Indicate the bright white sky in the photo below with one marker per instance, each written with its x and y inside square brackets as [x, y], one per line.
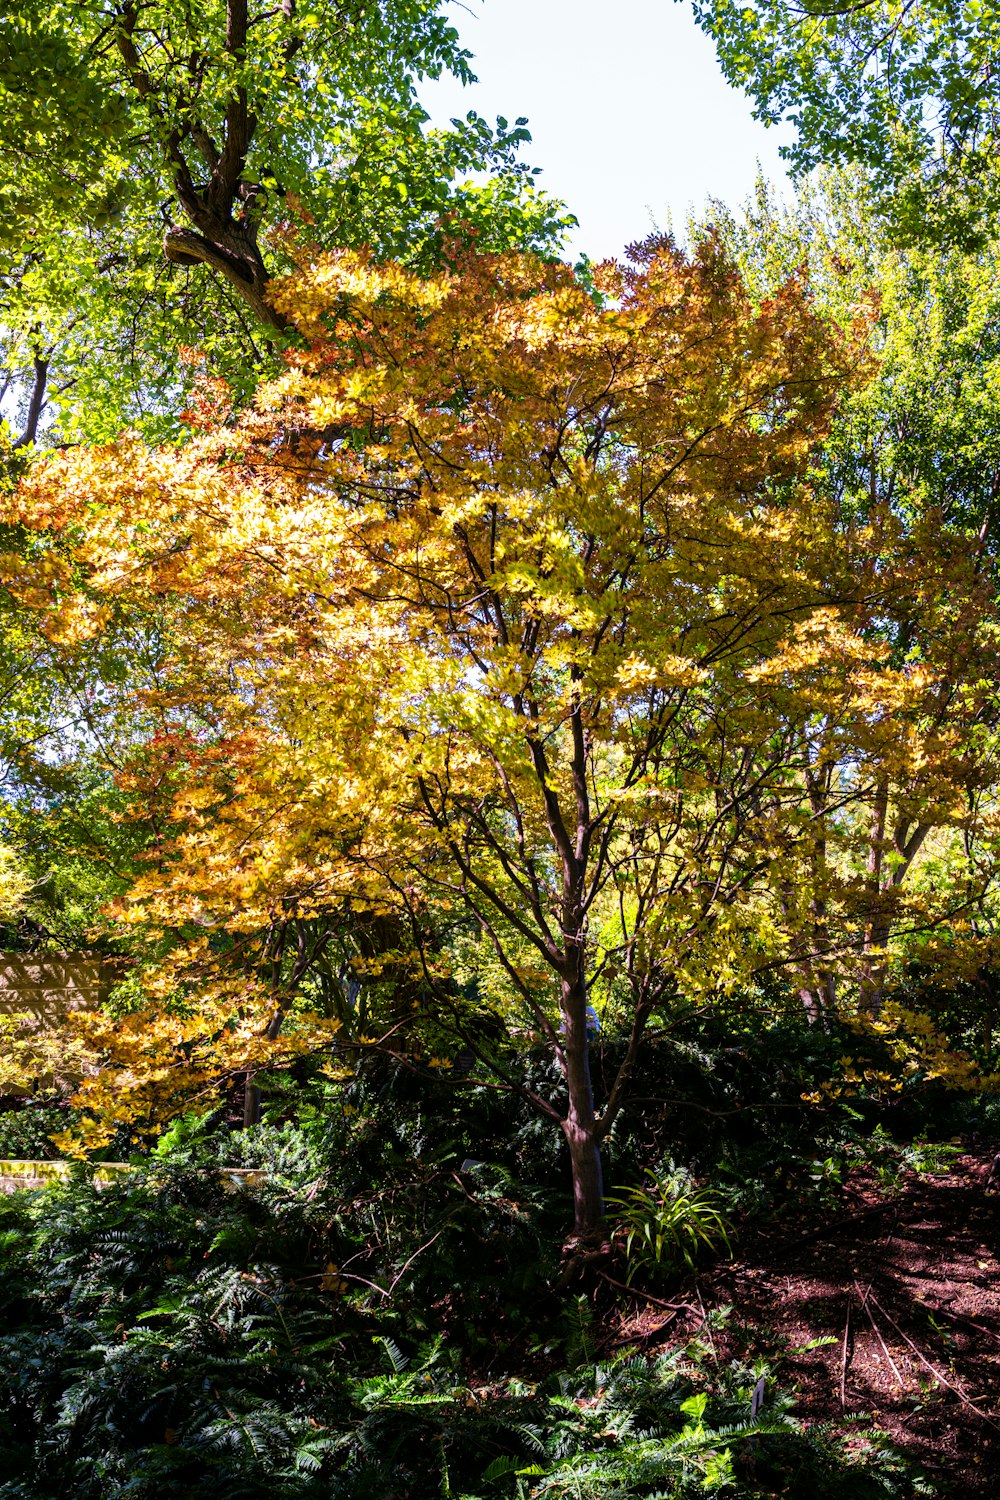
[631, 120]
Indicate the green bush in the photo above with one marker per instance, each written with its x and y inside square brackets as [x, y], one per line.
[25, 1131]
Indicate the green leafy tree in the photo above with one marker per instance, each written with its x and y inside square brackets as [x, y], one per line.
[154, 155]
[73, 727]
[919, 443]
[910, 91]
[925, 431]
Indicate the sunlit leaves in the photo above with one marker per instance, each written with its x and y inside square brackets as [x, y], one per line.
[491, 575]
[908, 91]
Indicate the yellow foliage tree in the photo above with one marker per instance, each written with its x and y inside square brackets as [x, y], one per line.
[510, 604]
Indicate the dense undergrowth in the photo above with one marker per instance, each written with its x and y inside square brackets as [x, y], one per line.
[380, 1317]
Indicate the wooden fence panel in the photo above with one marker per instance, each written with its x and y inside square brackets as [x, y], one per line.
[49, 986]
[45, 988]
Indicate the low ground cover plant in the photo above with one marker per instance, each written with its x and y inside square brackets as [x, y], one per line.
[667, 1221]
[170, 1336]
[380, 1312]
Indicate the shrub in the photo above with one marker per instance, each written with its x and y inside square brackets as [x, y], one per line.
[667, 1222]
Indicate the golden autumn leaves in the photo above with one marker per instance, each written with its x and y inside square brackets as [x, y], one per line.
[524, 626]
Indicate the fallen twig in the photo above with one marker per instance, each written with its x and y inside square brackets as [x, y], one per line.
[878, 1334]
[648, 1297]
[941, 1379]
[843, 1356]
[393, 1284]
[349, 1276]
[944, 1312]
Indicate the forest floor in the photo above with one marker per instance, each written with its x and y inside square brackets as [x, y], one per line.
[907, 1287]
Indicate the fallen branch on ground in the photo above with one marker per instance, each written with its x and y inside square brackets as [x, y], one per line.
[843, 1357]
[941, 1379]
[648, 1297]
[878, 1334]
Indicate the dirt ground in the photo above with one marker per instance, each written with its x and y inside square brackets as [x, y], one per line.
[908, 1286]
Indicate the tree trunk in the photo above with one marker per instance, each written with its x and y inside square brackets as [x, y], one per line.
[876, 928]
[579, 1126]
[251, 1102]
[821, 1004]
[36, 403]
[812, 1005]
[234, 254]
[588, 1178]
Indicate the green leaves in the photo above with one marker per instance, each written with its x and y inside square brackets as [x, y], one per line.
[909, 91]
[667, 1222]
[126, 121]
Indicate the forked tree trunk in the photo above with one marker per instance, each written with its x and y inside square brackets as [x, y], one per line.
[232, 251]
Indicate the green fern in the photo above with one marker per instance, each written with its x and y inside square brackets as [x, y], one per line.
[166, 1340]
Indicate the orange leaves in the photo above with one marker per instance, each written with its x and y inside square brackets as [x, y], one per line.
[505, 607]
[163, 1061]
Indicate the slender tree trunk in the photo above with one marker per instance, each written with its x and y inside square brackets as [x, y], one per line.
[876, 928]
[821, 1002]
[811, 1004]
[251, 1102]
[579, 1126]
[906, 841]
[251, 1093]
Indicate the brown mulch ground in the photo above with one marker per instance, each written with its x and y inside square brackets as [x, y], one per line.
[909, 1286]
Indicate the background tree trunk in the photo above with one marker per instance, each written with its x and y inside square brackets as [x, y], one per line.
[251, 1102]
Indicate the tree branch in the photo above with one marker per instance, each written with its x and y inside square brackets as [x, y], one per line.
[36, 404]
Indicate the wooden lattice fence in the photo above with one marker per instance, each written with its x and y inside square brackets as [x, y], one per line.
[44, 988]
[47, 986]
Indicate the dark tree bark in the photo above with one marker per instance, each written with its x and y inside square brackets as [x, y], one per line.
[36, 402]
[251, 1102]
[580, 1123]
[223, 212]
[230, 250]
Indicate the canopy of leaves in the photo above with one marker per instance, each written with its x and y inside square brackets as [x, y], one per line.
[909, 90]
[501, 603]
[152, 152]
[509, 615]
[920, 440]
[153, 159]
